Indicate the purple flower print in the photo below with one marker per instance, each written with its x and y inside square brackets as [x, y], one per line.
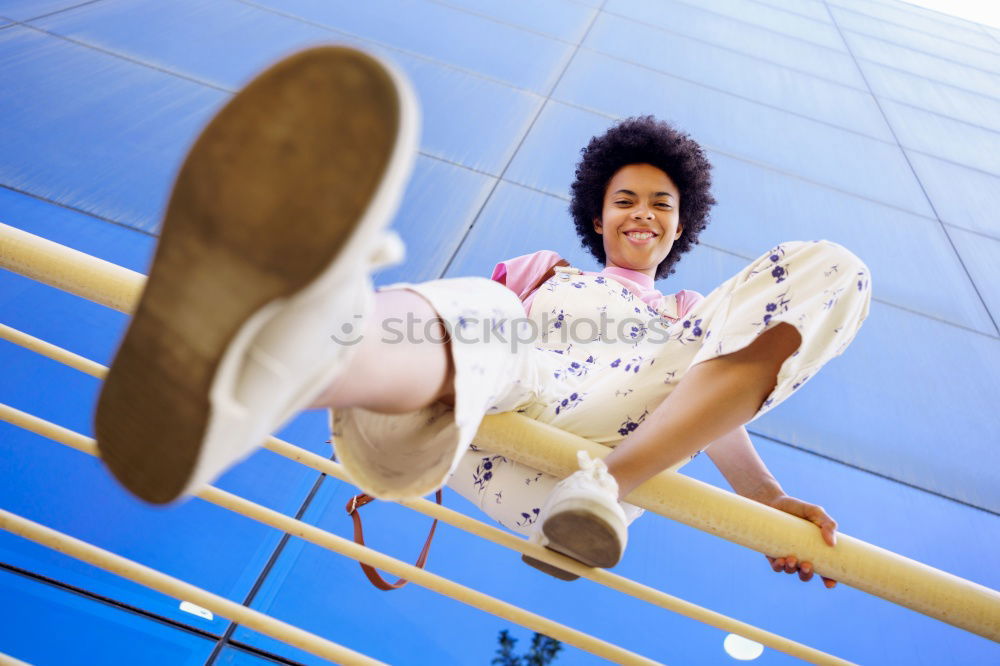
[778, 273]
[690, 330]
[574, 369]
[780, 304]
[529, 518]
[629, 424]
[834, 296]
[615, 363]
[484, 471]
[568, 403]
[599, 279]
[862, 281]
[634, 365]
[578, 285]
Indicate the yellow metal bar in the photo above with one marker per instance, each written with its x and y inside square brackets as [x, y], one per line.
[52, 351]
[480, 529]
[880, 572]
[180, 590]
[346, 547]
[7, 660]
[70, 270]
[885, 574]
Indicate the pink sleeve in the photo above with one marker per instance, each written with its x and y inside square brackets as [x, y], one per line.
[522, 273]
[686, 299]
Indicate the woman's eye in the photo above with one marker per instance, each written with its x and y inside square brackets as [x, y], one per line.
[623, 203]
[664, 205]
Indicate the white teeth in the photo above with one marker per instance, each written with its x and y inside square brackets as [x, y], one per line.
[639, 235]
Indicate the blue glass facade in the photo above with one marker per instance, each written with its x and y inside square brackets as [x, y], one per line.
[872, 123]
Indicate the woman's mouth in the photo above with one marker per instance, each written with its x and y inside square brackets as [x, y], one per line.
[641, 237]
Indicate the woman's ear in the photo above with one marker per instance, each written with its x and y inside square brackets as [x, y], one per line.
[598, 227]
[680, 230]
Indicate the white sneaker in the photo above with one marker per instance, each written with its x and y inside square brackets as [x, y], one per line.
[583, 519]
[276, 220]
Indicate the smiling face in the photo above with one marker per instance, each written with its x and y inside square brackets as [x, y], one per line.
[640, 219]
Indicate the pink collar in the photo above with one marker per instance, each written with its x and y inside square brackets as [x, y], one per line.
[640, 279]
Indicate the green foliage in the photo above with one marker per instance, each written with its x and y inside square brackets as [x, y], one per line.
[543, 651]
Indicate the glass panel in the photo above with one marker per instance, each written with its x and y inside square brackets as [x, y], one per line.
[563, 19]
[703, 64]
[759, 208]
[440, 204]
[45, 624]
[961, 196]
[845, 160]
[904, 400]
[524, 59]
[25, 10]
[943, 137]
[923, 64]
[809, 8]
[780, 20]
[934, 96]
[962, 53]
[924, 20]
[230, 42]
[979, 255]
[696, 23]
[138, 123]
[518, 221]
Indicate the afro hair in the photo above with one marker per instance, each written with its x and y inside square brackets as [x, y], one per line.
[643, 140]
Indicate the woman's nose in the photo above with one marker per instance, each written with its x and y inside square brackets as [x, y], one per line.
[642, 213]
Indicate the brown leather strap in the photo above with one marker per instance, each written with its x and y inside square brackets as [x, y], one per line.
[356, 503]
[548, 274]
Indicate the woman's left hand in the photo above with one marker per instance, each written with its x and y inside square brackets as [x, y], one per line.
[815, 514]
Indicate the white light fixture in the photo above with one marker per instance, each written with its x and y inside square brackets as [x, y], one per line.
[741, 648]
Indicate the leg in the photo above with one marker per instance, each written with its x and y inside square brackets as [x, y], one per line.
[396, 377]
[713, 398]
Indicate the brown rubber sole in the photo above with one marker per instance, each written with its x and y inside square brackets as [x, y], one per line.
[265, 200]
[581, 535]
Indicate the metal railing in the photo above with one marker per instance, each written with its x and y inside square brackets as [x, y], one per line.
[893, 577]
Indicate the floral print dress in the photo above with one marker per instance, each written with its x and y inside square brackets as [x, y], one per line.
[599, 361]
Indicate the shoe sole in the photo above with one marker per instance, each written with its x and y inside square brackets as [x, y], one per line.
[265, 201]
[578, 531]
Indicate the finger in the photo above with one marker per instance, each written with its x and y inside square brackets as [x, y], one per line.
[791, 564]
[777, 563]
[806, 572]
[829, 530]
[827, 525]
[829, 582]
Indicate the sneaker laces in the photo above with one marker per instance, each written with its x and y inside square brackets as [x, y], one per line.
[389, 250]
[595, 469]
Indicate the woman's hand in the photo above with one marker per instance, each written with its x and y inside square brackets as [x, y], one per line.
[815, 514]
